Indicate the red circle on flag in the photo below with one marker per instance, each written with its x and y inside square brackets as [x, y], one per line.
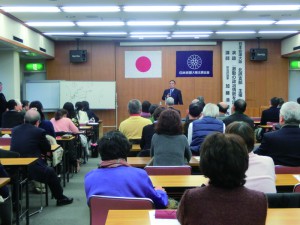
[143, 64]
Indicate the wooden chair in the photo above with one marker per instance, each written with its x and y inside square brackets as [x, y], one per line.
[100, 205]
[168, 170]
[297, 188]
[279, 169]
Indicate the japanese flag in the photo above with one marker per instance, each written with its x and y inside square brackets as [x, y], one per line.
[142, 64]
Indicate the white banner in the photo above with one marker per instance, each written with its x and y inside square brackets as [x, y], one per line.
[143, 64]
[233, 70]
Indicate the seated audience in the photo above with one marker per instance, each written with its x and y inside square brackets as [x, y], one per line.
[115, 177]
[25, 105]
[5, 201]
[145, 109]
[169, 147]
[204, 126]
[30, 141]
[195, 110]
[280, 102]
[283, 145]
[81, 115]
[170, 104]
[271, 114]
[71, 113]
[63, 124]
[260, 175]
[92, 116]
[44, 124]
[133, 126]
[238, 109]
[225, 200]
[12, 117]
[223, 110]
[151, 111]
[201, 100]
[148, 132]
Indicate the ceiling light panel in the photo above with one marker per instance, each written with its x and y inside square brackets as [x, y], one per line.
[152, 8]
[91, 9]
[198, 8]
[192, 32]
[150, 23]
[99, 24]
[271, 7]
[107, 33]
[150, 33]
[235, 32]
[250, 22]
[190, 35]
[199, 23]
[50, 24]
[278, 32]
[30, 9]
[288, 22]
[63, 33]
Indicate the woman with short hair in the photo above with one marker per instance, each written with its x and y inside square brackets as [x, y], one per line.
[225, 200]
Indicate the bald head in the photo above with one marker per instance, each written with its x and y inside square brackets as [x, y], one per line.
[32, 116]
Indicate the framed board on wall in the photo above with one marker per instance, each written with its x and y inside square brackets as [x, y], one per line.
[47, 92]
[100, 95]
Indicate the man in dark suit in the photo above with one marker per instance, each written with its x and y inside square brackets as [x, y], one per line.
[283, 145]
[271, 114]
[30, 141]
[2, 103]
[12, 117]
[238, 109]
[174, 93]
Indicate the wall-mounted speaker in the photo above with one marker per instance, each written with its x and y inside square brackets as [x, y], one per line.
[78, 56]
[258, 54]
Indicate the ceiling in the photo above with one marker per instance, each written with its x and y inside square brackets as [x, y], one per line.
[123, 16]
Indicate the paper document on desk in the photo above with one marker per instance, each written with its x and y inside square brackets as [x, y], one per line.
[154, 221]
[297, 177]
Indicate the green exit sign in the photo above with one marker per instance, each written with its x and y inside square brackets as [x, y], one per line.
[295, 64]
[35, 67]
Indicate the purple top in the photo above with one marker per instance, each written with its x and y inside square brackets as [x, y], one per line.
[123, 181]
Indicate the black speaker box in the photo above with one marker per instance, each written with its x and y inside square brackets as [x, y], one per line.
[258, 54]
[78, 56]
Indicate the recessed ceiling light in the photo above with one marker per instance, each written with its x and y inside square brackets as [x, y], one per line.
[278, 32]
[152, 8]
[80, 9]
[30, 9]
[63, 33]
[200, 8]
[271, 7]
[250, 22]
[50, 24]
[99, 24]
[192, 32]
[150, 33]
[150, 23]
[235, 32]
[283, 22]
[149, 36]
[190, 35]
[199, 23]
[107, 33]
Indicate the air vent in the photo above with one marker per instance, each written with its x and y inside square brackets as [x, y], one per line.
[18, 39]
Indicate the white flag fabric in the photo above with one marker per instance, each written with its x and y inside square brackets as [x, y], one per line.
[143, 64]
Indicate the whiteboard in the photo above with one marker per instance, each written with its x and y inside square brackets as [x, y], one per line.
[47, 92]
[100, 95]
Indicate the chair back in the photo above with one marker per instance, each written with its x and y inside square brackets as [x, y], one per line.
[168, 170]
[5, 140]
[279, 169]
[100, 205]
[283, 200]
[297, 188]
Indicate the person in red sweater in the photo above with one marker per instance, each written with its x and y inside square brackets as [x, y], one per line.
[225, 200]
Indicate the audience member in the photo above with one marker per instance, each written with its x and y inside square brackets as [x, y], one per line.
[92, 116]
[151, 111]
[260, 175]
[81, 115]
[280, 102]
[238, 109]
[2, 103]
[145, 109]
[204, 126]
[25, 105]
[169, 147]
[63, 124]
[115, 177]
[133, 126]
[71, 113]
[283, 145]
[225, 200]
[12, 117]
[30, 141]
[271, 114]
[298, 100]
[195, 109]
[170, 104]
[5, 201]
[148, 132]
[19, 107]
[44, 124]
[223, 110]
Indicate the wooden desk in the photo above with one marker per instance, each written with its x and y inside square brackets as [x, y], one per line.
[20, 163]
[4, 181]
[285, 216]
[135, 148]
[7, 147]
[141, 162]
[5, 132]
[197, 180]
